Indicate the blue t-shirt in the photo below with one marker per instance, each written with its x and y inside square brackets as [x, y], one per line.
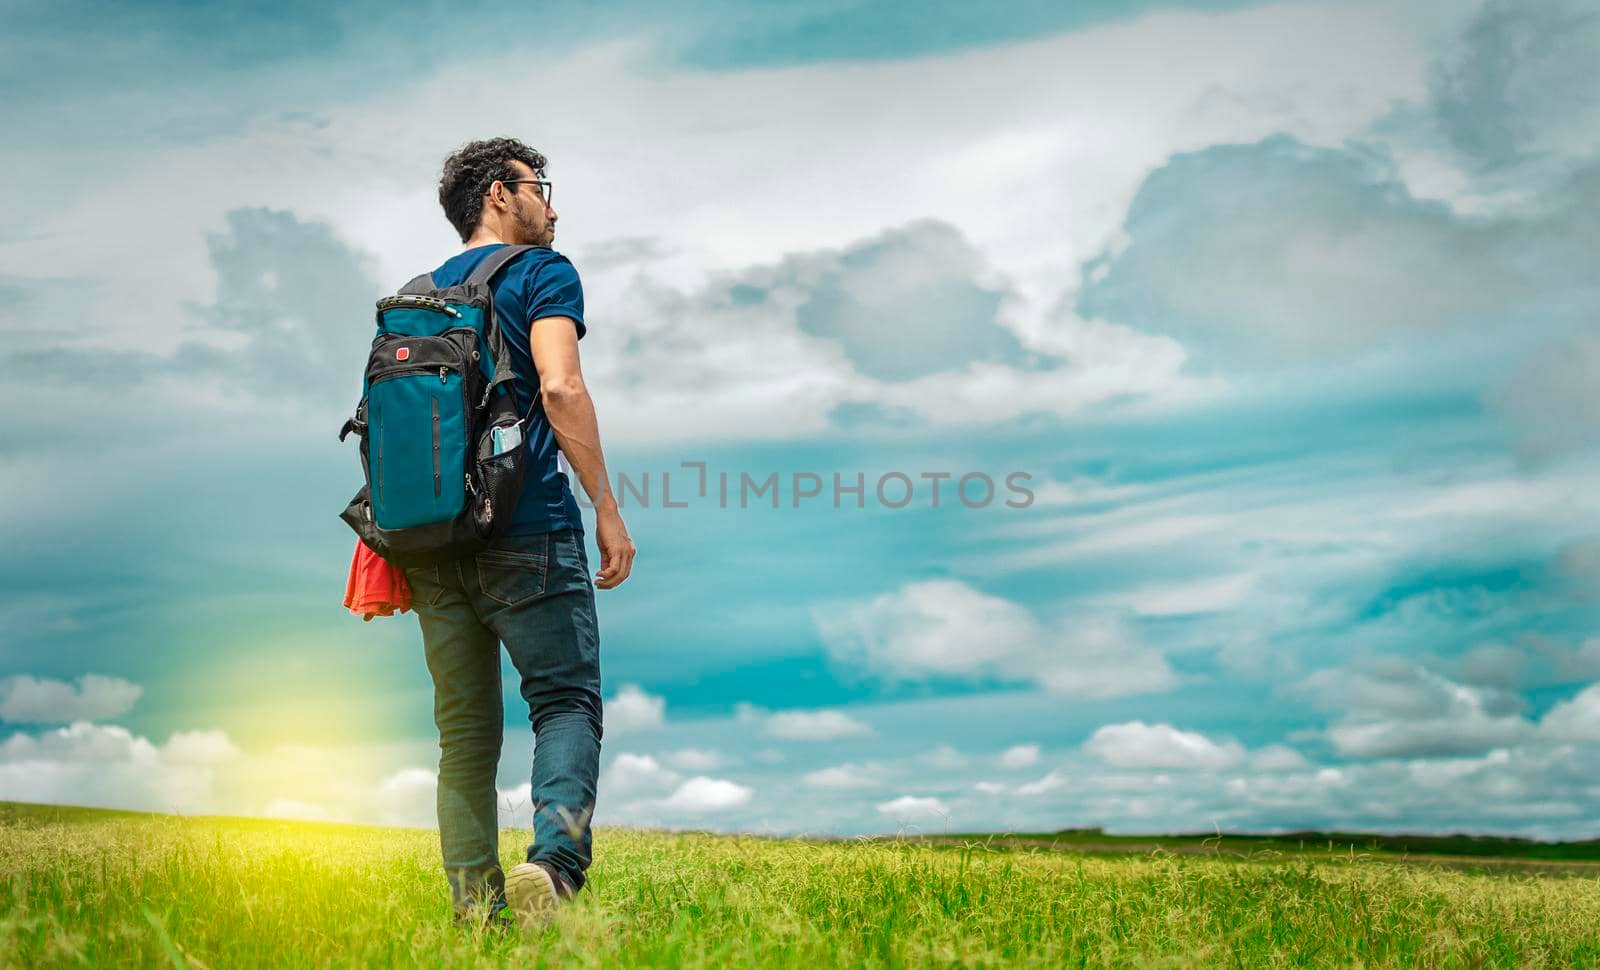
[539, 283]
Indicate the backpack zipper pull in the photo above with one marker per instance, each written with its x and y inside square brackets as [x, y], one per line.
[442, 372]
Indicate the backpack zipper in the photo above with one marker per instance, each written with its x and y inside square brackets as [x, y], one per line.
[436, 479]
[443, 371]
[460, 354]
[410, 301]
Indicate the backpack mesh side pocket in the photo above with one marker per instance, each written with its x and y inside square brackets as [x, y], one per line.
[500, 476]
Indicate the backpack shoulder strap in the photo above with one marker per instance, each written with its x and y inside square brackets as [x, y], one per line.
[420, 284]
[484, 271]
[493, 263]
[503, 372]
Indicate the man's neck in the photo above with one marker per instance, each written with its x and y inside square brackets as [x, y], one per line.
[484, 236]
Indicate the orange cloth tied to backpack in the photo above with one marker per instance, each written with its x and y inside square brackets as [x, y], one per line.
[375, 588]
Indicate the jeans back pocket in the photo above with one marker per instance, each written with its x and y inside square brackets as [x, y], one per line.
[514, 572]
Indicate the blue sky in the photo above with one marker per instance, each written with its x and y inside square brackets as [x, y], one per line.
[1286, 312]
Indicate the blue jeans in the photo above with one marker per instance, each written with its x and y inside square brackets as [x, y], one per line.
[534, 594]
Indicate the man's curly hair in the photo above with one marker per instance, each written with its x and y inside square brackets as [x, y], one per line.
[470, 171]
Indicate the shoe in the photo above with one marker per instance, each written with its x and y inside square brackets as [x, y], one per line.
[490, 916]
[481, 897]
[533, 891]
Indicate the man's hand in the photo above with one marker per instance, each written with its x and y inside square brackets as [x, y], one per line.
[616, 548]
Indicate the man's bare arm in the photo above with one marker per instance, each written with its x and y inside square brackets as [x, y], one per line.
[567, 405]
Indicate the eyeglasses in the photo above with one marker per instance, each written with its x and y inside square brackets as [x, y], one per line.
[545, 188]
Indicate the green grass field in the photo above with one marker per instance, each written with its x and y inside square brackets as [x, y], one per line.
[99, 888]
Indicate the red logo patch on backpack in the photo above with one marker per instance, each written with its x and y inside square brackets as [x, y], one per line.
[402, 353]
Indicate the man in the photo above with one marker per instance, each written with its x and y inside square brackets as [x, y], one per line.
[531, 589]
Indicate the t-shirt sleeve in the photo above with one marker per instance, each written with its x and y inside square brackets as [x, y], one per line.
[553, 290]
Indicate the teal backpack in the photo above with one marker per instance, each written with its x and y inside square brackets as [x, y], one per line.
[443, 448]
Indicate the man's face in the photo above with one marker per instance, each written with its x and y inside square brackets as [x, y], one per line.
[532, 221]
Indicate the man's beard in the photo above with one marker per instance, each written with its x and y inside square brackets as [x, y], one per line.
[528, 231]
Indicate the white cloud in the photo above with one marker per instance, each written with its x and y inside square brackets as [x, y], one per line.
[1579, 563]
[107, 765]
[1393, 707]
[1519, 88]
[634, 710]
[945, 757]
[818, 725]
[1277, 758]
[1020, 756]
[696, 759]
[1270, 524]
[1197, 596]
[408, 797]
[843, 776]
[629, 774]
[203, 772]
[370, 783]
[1315, 790]
[1128, 775]
[1140, 745]
[702, 794]
[1143, 89]
[200, 748]
[1541, 788]
[1083, 491]
[1102, 657]
[944, 627]
[404, 797]
[951, 137]
[1144, 533]
[1050, 782]
[1577, 719]
[27, 699]
[1551, 400]
[1381, 687]
[1470, 731]
[1281, 276]
[914, 806]
[515, 806]
[938, 627]
[1534, 790]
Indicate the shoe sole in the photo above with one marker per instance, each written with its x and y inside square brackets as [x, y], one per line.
[531, 894]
